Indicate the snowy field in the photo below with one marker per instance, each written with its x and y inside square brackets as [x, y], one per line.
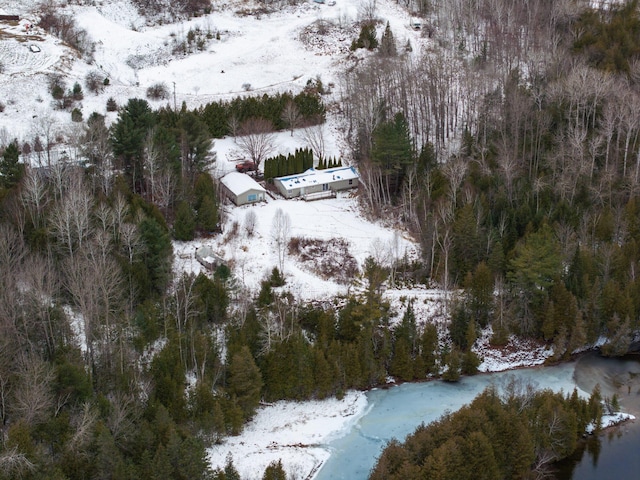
[246, 54]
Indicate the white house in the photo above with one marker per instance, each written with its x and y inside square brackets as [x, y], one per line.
[242, 189]
[314, 181]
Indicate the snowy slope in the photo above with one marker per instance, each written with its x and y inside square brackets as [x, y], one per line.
[256, 53]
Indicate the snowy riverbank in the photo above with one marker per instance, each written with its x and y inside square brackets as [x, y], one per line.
[295, 432]
[299, 433]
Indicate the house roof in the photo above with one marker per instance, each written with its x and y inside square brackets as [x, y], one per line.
[315, 177]
[239, 183]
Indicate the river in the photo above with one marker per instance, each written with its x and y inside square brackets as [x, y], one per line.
[397, 411]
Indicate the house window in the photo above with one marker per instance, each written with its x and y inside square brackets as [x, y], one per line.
[325, 187]
[252, 197]
[350, 181]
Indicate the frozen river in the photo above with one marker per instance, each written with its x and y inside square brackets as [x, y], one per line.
[397, 411]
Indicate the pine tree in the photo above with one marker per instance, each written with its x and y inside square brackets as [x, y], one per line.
[128, 137]
[322, 375]
[112, 106]
[184, 225]
[245, 381]
[208, 215]
[480, 294]
[454, 363]
[429, 348]
[157, 257]
[367, 38]
[578, 336]
[392, 152]
[230, 471]
[274, 471]
[401, 363]
[10, 170]
[387, 43]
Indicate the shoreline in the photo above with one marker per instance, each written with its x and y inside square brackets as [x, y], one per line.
[298, 433]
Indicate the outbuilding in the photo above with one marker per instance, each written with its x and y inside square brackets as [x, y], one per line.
[313, 182]
[241, 189]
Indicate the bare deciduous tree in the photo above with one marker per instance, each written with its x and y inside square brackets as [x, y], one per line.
[70, 217]
[34, 195]
[291, 115]
[15, 464]
[250, 222]
[256, 140]
[46, 129]
[83, 428]
[368, 10]
[40, 284]
[166, 189]
[98, 301]
[152, 164]
[97, 148]
[314, 138]
[233, 123]
[280, 231]
[33, 398]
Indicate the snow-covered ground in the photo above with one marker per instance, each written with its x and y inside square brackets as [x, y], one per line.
[611, 420]
[246, 53]
[293, 432]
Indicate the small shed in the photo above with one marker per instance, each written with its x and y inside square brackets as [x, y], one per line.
[241, 189]
[208, 258]
[313, 181]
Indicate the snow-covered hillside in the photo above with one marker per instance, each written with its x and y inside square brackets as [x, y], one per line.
[241, 53]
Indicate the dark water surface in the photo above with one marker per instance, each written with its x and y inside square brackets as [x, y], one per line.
[614, 454]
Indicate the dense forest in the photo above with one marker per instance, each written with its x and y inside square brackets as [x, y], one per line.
[516, 433]
[510, 149]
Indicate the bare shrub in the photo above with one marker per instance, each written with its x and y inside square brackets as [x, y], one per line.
[158, 91]
[94, 81]
[232, 232]
[64, 27]
[250, 222]
[329, 259]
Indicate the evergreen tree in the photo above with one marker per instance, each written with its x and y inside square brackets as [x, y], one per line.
[453, 364]
[184, 225]
[230, 472]
[401, 362]
[323, 378]
[156, 259]
[10, 170]
[207, 217]
[429, 349]
[128, 136]
[195, 145]
[112, 106]
[387, 43]
[274, 471]
[367, 38]
[245, 381]
[392, 152]
[535, 264]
